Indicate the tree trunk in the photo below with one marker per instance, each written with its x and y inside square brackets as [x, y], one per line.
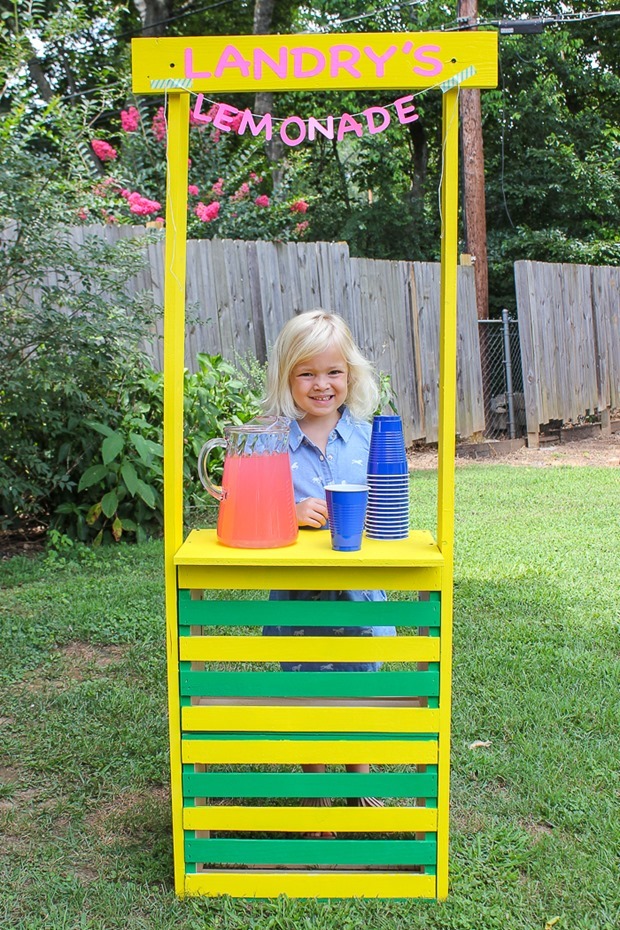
[153, 15]
[417, 134]
[263, 100]
[38, 76]
[474, 207]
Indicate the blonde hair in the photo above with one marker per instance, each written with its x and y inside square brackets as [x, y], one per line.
[305, 336]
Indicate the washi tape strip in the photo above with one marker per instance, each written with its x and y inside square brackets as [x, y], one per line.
[458, 78]
[172, 83]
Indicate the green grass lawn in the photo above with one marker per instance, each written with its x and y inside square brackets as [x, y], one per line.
[84, 815]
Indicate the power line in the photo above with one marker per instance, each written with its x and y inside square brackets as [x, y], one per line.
[530, 25]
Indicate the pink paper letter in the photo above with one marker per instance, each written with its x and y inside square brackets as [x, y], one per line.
[224, 116]
[369, 113]
[348, 124]
[315, 125]
[336, 64]
[198, 110]
[380, 60]
[298, 61]
[296, 121]
[405, 110]
[263, 125]
[231, 58]
[436, 66]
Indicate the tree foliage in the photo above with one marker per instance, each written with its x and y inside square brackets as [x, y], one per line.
[550, 129]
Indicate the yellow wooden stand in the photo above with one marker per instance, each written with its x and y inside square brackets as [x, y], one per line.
[224, 723]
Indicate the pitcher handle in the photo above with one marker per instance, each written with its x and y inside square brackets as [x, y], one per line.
[214, 489]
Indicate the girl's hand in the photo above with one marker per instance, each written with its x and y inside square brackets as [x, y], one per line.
[311, 512]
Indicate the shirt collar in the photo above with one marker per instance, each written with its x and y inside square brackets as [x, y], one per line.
[344, 427]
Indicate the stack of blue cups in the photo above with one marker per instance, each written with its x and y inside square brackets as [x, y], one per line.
[387, 516]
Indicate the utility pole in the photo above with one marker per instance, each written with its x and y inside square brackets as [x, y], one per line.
[474, 208]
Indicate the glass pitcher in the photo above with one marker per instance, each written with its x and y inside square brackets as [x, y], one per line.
[257, 502]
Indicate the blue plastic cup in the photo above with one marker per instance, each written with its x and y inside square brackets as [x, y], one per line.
[387, 455]
[346, 506]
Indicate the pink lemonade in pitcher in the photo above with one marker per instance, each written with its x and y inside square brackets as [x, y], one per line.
[258, 506]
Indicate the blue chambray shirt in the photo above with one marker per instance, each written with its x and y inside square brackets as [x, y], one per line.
[345, 460]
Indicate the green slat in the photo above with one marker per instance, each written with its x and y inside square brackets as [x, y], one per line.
[312, 852]
[307, 785]
[305, 613]
[310, 684]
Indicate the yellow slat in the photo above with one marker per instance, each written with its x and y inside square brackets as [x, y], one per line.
[413, 564]
[308, 819]
[319, 578]
[250, 883]
[311, 719]
[290, 752]
[309, 649]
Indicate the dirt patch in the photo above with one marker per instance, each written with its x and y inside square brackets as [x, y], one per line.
[73, 663]
[601, 451]
[81, 656]
[130, 814]
[538, 829]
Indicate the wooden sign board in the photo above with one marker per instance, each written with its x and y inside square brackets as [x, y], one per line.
[352, 61]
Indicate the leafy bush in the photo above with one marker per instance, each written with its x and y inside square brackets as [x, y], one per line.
[121, 490]
[68, 342]
[80, 405]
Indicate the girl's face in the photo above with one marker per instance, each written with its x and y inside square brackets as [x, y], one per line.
[319, 384]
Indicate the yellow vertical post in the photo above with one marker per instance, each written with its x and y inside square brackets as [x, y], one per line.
[174, 360]
[447, 439]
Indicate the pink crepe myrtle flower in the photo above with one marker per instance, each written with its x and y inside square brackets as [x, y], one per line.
[140, 205]
[301, 228]
[193, 121]
[262, 201]
[192, 190]
[103, 150]
[218, 188]
[241, 193]
[82, 213]
[300, 206]
[254, 177]
[207, 212]
[159, 125]
[130, 119]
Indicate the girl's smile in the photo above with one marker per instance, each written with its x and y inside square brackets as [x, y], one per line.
[319, 385]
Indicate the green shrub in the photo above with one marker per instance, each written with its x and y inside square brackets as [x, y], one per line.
[68, 344]
[121, 489]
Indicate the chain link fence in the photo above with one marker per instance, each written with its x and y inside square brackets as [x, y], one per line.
[502, 378]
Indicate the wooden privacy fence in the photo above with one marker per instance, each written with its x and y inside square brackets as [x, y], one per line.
[570, 341]
[239, 295]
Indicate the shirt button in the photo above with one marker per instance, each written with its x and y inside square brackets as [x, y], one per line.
[322, 458]
[330, 457]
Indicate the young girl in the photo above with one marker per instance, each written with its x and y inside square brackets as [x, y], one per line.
[318, 377]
